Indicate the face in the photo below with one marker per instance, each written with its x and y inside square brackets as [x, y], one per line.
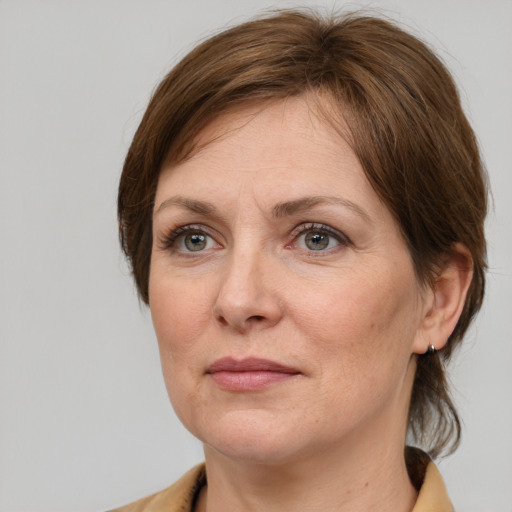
[283, 296]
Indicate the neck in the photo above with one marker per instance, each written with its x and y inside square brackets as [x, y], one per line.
[329, 481]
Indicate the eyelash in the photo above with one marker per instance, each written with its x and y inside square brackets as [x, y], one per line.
[169, 241]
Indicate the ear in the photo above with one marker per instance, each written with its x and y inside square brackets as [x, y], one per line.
[445, 300]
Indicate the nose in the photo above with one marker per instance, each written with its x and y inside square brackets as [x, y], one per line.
[248, 295]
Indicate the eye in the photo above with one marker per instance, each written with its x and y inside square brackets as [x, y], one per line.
[313, 237]
[317, 241]
[189, 239]
[194, 242]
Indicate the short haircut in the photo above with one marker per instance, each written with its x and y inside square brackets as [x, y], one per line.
[405, 124]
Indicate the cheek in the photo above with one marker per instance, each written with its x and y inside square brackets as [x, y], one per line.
[363, 335]
[365, 323]
[180, 312]
[356, 303]
[177, 306]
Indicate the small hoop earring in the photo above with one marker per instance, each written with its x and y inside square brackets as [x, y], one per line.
[431, 350]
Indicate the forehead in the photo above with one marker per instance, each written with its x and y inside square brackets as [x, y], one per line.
[299, 126]
[320, 107]
[279, 151]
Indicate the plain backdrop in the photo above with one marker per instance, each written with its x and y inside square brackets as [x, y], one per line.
[85, 423]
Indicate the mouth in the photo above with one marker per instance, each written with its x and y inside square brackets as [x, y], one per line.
[251, 374]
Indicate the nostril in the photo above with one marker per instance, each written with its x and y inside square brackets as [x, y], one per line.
[258, 318]
[222, 320]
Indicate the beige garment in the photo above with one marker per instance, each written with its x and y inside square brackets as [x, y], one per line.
[180, 497]
[433, 496]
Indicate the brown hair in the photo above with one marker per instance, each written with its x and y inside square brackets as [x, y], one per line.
[406, 125]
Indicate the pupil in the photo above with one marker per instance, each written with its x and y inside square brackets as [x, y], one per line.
[195, 242]
[317, 241]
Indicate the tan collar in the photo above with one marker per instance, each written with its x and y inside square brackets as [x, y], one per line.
[179, 497]
[433, 496]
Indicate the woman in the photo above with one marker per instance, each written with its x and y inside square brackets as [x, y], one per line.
[303, 206]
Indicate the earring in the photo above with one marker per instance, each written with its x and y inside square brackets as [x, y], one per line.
[431, 350]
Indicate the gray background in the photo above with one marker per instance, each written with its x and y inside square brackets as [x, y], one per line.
[85, 422]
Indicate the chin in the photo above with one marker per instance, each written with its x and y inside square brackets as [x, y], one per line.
[253, 438]
[257, 453]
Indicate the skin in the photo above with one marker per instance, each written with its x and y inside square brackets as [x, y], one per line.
[348, 318]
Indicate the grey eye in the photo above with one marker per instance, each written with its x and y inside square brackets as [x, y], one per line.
[194, 242]
[316, 240]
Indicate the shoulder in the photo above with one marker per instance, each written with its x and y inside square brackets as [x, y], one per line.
[179, 497]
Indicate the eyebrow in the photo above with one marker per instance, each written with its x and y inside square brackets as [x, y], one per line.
[280, 210]
[201, 207]
[303, 204]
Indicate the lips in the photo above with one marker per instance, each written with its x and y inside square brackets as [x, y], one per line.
[251, 374]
